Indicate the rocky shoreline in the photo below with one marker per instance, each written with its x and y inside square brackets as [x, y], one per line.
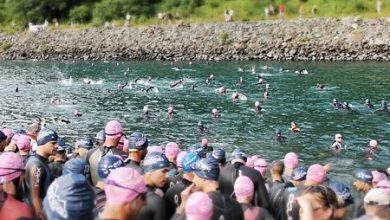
[346, 39]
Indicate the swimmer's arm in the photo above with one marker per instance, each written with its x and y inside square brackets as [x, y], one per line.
[37, 174]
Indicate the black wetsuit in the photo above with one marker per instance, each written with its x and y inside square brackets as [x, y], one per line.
[100, 200]
[172, 170]
[231, 172]
[155, 208]
[37, 174]
[56, 168]
[93, 158]
[24, 158]
[289, 207]
[358, 207]
[258, 213]
[276, 197]
[173, 198]
[225, 207]
[135, 165]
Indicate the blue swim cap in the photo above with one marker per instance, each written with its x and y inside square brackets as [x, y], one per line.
[138, 141]
[20, 131]
[342, 191]
[46, 135]
[238, 155]
[207, 168]
[101, 136]
[219, 154]
[363, 175]
[61, 145]
[108, 163]
[77, 166]
[2, 136]
[188, 162]
[86, 143]
[155, 161]
[70, 197]
[299, 173]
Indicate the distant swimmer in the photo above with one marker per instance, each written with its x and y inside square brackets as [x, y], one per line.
[241, 80]
[176, 83]
[122, 86]
[368, 104]
[17, 89]
[201, 127]
[266, 94]
[253, 70]
[209, 79]
[76, 113]
[149, 79]
[193, 87]
[384, 107]
[337, 144]
[302, 72]
[151, 89]
[125, 74]
[294, 127]
[320, 86]
[257, 106]
[221, 90]
[260, 79]
[268, 86]
[215, 113]
[135, 81]
[29, 83]
[279, 136]
[346, 106]
[238, 96]
[171, 111]
[146, 110]
[87, 81]
[175, 68]
[240, 70]
[283, 70]
[372, 150]
[336, 104]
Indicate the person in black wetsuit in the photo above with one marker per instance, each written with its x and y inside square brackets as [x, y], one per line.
[83, 146]
[57, 165]
[363, 183]
[219, 154]
[344, 198]
[113, 133]
[155, 168]
[38, 176]
[206, 180]
[100, 138]
[138, 144]
[336, 104]
[368, 104]
[244, 191]
[172, 196]
[237, 167]
[105, 166]
[125, 191]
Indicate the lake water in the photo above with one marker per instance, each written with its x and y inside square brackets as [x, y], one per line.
[293, 98]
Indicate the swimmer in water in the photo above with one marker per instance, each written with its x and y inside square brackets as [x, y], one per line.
[122, 86]
[372, 150]
[337, 144]
[17, 88]
[257, 106]
[368, 104]
[235, 95]
[279, 136]
[346, 106]
[241, 80]
[193, 87]
[294, 127]
[215, 113]
[176, 83]
[171, 111]
[151, 88]
[76, 113]
[146, 114]
[336, 103]
[266, 94]
[201, 127]
[268, 86]
[283, 70]
[221, 90]
[384, 107]
[302, 71]
[320, 86]
[209, 79]
[125, 75]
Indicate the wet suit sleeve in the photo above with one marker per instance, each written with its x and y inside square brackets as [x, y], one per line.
[155, 208]
[37, 176]
[261, 197]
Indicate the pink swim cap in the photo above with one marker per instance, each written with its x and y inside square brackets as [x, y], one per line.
[199, 206]
[243, 187]
[11, 166]
[155, 148]
[23, 142]
[250, 162]
[180, 157]
[257, 103]
[377, 176]
[384, 184]
[204, 142]
[123, 185]
[316, 173]
[291, 160]
[8, 132]
[261, 166]
[113, 129]
[172, 150]
[373, 143]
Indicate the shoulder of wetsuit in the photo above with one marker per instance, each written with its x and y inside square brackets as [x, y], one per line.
[225, 207]
[89, 154]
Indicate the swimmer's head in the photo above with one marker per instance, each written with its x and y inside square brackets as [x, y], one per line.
[204, 142]
[338, 137]
[373, 144]
[384, 103]
[368, 101]
[211, 76]
[146, 109]
[278, 132]
[257, 104]
[171, 109]
[335, 101]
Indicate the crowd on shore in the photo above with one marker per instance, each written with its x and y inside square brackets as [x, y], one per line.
[115, 176]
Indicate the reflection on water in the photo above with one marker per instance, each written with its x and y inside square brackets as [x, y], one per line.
[93, 90]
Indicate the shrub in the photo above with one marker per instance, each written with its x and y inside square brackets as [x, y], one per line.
[81, 14]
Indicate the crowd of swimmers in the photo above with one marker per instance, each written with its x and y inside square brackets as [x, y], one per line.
[114, 176]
